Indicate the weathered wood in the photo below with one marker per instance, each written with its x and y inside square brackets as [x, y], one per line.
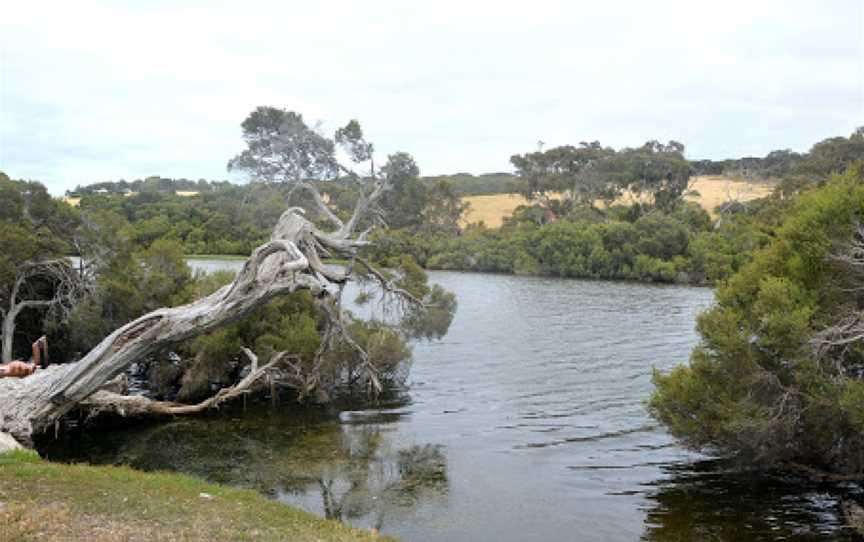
[8, 444]
[128, 405]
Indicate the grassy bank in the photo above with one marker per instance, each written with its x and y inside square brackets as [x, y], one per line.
[45, 501]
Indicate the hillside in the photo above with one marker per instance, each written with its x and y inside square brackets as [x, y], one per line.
[713, 190]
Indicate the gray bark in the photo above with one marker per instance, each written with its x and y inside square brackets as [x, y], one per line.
[8, 444]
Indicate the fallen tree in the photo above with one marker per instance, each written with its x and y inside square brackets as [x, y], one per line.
[290, 261]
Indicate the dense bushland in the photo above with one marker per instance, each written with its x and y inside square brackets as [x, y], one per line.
[683, 246]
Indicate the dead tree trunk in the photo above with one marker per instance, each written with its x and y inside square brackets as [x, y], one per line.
[69, 286]
[288, 262]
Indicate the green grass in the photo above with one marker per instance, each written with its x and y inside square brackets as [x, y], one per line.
[40, 500]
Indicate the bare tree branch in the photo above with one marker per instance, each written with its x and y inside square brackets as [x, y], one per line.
[322, 206]
[128, 405]
[67, 287]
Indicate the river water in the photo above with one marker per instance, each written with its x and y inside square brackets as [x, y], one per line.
[526, 422]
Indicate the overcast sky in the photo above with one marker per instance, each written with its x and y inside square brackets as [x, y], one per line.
[95, 91]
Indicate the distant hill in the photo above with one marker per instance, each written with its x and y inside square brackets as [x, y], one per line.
[181, 187]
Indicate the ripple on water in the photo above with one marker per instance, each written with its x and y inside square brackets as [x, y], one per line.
[527, 422]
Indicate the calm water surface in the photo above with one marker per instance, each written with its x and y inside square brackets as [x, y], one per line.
[526, 422]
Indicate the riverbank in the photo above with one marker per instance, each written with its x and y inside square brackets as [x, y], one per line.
[45, 501]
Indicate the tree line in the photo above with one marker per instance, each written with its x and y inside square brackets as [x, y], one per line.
[572, 227]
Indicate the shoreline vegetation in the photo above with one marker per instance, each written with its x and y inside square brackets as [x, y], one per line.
[777, 376]
[683, 247]
[643, 214]
[46, 501]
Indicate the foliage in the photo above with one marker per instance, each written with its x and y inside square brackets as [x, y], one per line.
[757, 386]
[829, 156]
[223, 218]
[444, 209]
[591, 173]
[566, 168]
[229, 220]
[466, 184]
[282, 148]
[680, 246]
[133, 282]
[34, 228]
[153, 184]
[407, 197]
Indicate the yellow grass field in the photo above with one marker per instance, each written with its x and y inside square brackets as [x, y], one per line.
[712, 192]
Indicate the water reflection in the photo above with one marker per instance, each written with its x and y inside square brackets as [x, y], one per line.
[526, 422]
[379, 485]
[711, 500]
[305, 457]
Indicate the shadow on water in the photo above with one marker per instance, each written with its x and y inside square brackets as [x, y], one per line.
[714, 500]
[336, 464]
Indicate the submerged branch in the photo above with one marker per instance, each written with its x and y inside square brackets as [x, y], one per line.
[127, 405]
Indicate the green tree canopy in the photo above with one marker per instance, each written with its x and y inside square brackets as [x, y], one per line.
[591, 172]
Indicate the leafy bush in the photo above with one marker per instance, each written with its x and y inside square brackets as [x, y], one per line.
[758, 386]
[680, 246]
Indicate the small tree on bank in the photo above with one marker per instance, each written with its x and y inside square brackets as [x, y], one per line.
[779, 375]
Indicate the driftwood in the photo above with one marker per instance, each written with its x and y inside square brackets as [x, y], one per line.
[289, 262]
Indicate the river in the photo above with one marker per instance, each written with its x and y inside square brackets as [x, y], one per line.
[526, 422]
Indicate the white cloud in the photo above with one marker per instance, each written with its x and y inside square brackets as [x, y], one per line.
[94, 91]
